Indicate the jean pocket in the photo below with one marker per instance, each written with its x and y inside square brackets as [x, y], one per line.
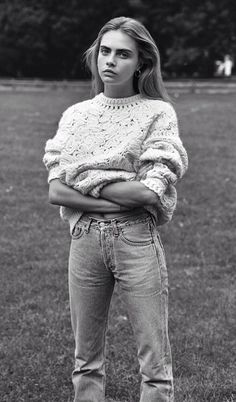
[77, 232]
[138, 234]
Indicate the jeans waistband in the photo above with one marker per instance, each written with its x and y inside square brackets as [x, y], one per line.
[116, 224]
[118, 215]
[138, 213]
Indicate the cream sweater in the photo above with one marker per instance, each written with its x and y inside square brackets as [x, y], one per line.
[104, 140]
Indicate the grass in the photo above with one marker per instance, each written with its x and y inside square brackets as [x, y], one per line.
[36, 344]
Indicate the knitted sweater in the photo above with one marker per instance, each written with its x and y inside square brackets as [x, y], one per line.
[104, 140]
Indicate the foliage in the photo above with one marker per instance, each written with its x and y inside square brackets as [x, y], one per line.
[48, 38]
[191, 35]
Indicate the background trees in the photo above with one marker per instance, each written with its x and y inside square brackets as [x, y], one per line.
[47, 38]
[192, 34]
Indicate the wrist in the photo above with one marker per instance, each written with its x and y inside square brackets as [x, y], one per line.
[105, 191]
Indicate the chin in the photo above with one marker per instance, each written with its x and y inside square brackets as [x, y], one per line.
[109, 80]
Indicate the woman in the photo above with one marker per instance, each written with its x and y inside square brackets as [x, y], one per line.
[113, 164]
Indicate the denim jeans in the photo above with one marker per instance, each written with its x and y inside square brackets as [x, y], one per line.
[127, 251]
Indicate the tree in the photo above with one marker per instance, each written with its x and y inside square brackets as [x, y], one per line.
[191, 35]
[47, 38]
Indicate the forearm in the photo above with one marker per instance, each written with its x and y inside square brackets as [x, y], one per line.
[63, 195]
[130, 194]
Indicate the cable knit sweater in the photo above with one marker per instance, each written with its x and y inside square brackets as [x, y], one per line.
[104, 140]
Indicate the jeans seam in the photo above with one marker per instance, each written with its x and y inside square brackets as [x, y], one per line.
[163, 296]
[162, 264]
[104, 354]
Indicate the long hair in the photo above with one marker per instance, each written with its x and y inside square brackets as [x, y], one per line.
[149, 83]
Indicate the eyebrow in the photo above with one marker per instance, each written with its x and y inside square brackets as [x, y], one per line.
[119, 50]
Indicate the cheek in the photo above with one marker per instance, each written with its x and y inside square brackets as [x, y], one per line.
[130, 68]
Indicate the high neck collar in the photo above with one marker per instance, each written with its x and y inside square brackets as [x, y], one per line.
[105, 100]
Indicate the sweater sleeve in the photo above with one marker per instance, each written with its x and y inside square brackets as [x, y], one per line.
[163, 159]
[55, 145]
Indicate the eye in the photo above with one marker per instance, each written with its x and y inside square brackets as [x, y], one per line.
[104, 50]
[124, 54]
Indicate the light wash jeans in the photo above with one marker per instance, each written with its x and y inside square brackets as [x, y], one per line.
[127, 251]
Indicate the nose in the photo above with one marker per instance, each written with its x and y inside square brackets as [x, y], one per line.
[111, 61]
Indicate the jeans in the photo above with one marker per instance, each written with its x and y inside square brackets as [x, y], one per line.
[128, 251]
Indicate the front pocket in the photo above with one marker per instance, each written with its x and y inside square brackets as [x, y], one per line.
[138, 234]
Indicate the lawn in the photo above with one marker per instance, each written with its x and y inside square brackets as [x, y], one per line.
[36, 344]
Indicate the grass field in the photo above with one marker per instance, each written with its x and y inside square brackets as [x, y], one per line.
[36, 339]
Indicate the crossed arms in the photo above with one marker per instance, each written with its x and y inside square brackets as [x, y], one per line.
[114, 197]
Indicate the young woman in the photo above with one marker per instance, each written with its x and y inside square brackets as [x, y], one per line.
[113, 164]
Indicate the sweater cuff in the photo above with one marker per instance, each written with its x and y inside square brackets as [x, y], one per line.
[95, 192]
[54, 173]
[157, 185]
[166, 194]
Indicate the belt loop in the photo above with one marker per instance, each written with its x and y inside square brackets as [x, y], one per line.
[87, 226]
[114, 227]
[153, 220]
[152, 224]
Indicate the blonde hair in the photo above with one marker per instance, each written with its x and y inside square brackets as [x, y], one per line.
[149, 83]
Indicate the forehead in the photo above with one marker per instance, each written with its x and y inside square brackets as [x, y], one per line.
[118, 40]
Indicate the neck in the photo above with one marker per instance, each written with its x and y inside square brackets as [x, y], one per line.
[117, 91]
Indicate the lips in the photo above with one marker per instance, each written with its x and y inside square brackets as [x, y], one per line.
[109, 71]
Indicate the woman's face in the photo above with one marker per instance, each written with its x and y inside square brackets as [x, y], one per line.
[117, 59]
